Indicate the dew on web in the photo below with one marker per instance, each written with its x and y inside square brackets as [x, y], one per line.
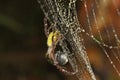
[103, 29]
[99, 24]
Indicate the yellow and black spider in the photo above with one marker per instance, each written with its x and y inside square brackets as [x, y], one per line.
[56, 58]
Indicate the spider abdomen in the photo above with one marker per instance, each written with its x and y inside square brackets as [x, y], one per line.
[61, 58]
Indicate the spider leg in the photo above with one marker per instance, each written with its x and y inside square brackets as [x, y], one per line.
[52, 54]
[46, 27]
[60, 67]
[66, 71]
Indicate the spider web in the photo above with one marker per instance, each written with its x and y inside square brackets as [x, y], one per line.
[102, 28]
[63, 14]
[99, 24]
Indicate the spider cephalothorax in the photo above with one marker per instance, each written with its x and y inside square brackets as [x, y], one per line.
[57, 58]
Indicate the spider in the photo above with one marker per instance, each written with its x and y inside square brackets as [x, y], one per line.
[57, 58]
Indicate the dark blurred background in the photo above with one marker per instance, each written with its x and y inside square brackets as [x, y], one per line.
[23, 45]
